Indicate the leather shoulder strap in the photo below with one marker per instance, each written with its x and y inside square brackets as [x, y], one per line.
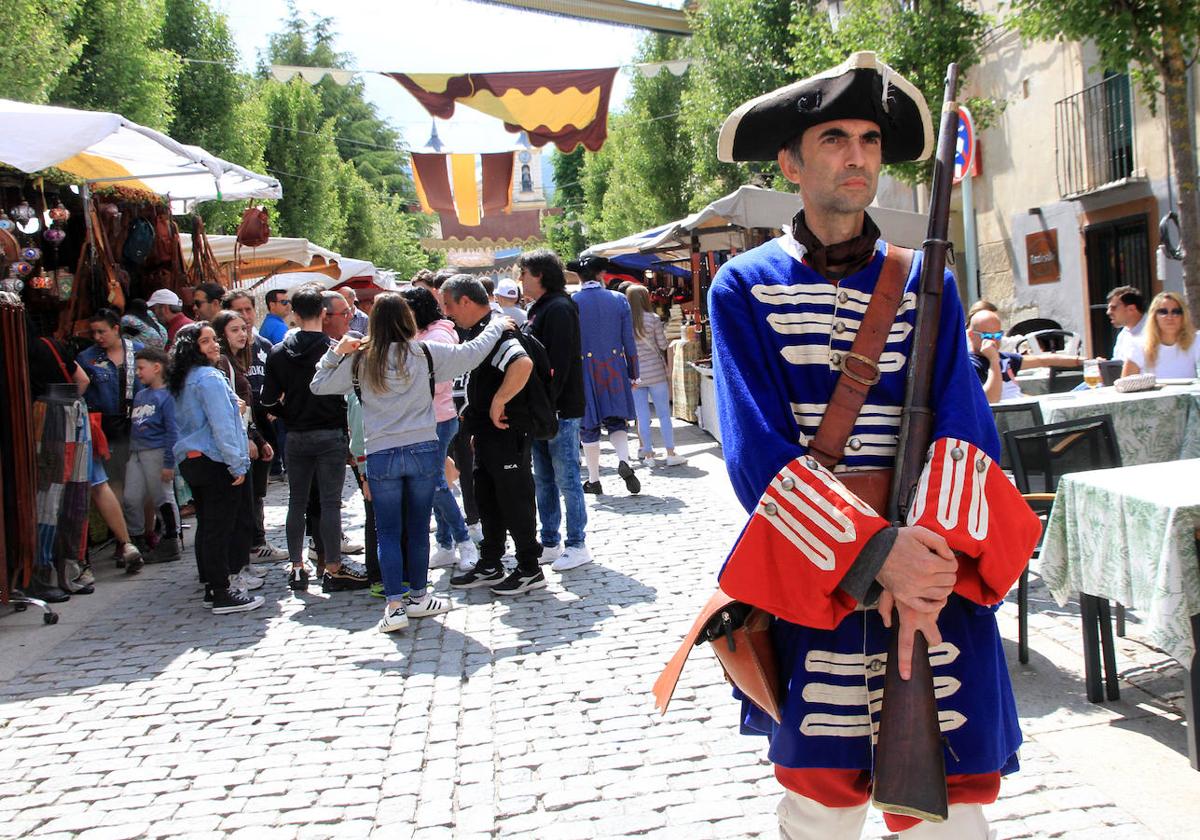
[860, 367]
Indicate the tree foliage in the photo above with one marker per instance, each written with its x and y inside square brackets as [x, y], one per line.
[38, 46]
[564, 230]
[739, 50]
[918, 40]
[1156, 41]
[123, 65]
[650, 155]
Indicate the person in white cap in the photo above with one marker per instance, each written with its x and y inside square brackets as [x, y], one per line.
[168, 309]
[807, 413]
[507, 295]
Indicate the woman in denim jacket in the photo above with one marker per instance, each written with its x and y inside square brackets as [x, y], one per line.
[213, 457]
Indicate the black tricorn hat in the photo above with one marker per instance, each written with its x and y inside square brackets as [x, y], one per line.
[860, 88]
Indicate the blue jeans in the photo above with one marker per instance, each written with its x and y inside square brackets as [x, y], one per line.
[555, 471]
[662, 407]
[402, 480]
[451, 527]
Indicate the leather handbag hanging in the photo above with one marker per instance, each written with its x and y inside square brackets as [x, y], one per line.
[739, 633]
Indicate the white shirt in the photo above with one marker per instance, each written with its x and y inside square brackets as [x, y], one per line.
[1126, 337]
[1173, 361]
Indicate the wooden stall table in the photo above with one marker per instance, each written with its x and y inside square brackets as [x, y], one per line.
[1151, 426]
[1129, 535]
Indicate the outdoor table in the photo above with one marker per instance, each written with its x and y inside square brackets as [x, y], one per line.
[1151, 426]
[1129, 535]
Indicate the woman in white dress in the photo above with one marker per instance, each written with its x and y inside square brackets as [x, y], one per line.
[1169, 349]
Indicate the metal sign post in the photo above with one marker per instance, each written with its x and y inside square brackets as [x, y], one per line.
[964, 163]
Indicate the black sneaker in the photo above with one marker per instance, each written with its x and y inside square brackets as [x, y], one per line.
[208, 596]
[519, 581]
[592, 487]
[631, 481]
[228, 601]
[345, 579]
[474, 578]
[298, 579]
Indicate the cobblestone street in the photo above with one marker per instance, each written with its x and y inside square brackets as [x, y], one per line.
[142, 715]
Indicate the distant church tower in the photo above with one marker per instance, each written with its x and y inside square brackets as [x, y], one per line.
[527, 177]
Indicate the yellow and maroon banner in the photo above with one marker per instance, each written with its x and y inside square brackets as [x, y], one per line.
[564, 107]
[446, 183]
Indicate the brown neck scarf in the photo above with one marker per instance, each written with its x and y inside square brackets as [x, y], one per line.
[833, 262]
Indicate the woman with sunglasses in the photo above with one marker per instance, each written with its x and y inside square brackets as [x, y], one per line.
[1170, 349]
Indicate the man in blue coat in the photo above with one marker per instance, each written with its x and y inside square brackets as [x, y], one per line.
[609, 366]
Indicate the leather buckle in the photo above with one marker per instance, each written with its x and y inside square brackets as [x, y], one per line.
[868, 379]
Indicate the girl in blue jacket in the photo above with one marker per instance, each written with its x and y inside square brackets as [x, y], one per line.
[213, 458]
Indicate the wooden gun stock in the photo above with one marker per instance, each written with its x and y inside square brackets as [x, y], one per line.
[910, 768]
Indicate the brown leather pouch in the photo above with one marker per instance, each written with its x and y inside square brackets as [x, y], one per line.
[739, 635]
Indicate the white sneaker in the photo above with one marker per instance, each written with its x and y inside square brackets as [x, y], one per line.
[351, 547]
[393, 620]
[428, 604]
[675, 460]
[550, 553]
[244, 582]
[475, 532]
[645, 460]
[255, 571]
[268, 552]
[444, 556]
[573, 557]
[468, 555]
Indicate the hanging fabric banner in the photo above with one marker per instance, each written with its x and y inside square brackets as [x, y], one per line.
[446, 183]
[497, 182]
[565, 107]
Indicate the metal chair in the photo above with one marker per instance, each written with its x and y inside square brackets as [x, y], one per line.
[1013, 417]
[1040, 456]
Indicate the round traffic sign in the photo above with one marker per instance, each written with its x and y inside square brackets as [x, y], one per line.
[964, 152]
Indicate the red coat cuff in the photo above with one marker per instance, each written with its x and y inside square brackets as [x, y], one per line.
[805, 532]
[965, 496]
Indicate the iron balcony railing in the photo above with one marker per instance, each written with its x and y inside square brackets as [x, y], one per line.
[1093, 133]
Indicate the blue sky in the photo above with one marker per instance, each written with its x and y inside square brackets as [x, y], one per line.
[445, 36]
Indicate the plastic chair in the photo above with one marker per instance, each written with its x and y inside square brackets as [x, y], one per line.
[1040, 456]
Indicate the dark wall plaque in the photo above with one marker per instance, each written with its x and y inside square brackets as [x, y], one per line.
[1041, 254]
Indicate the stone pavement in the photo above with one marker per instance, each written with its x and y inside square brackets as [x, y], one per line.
[142, 715]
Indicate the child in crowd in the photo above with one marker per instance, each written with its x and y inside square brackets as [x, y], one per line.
[150, 476]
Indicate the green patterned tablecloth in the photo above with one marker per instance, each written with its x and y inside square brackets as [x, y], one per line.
[1128, 534]
[1151, 426]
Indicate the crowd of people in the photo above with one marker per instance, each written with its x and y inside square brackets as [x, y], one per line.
[456, 409]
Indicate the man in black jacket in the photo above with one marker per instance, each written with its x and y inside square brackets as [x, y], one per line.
[316, 441]
[554, 321]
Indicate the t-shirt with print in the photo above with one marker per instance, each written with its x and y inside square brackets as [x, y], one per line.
[154, 426]
[485, 380]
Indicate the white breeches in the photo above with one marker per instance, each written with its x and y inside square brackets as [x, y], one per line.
[801, 818]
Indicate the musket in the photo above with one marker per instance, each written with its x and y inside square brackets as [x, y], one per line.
[909, 766]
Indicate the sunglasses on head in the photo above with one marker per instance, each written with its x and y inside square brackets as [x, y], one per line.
[1165, 311]
[994, 336]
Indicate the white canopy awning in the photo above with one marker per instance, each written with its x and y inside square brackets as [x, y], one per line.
[280, 250]
[104, 148]
[720, 225]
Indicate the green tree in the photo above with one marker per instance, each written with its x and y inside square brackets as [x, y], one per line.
[216, 107]
[363, 138]
[740, 50]
[918, 40]
[651, 159]
[1157, 40]
[595, 181]
[123, 66]
[37, 46]
[564, 230]
[301, 153]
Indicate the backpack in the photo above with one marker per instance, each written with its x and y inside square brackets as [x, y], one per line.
[139, 243]
[255, 229]
[541, 421]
